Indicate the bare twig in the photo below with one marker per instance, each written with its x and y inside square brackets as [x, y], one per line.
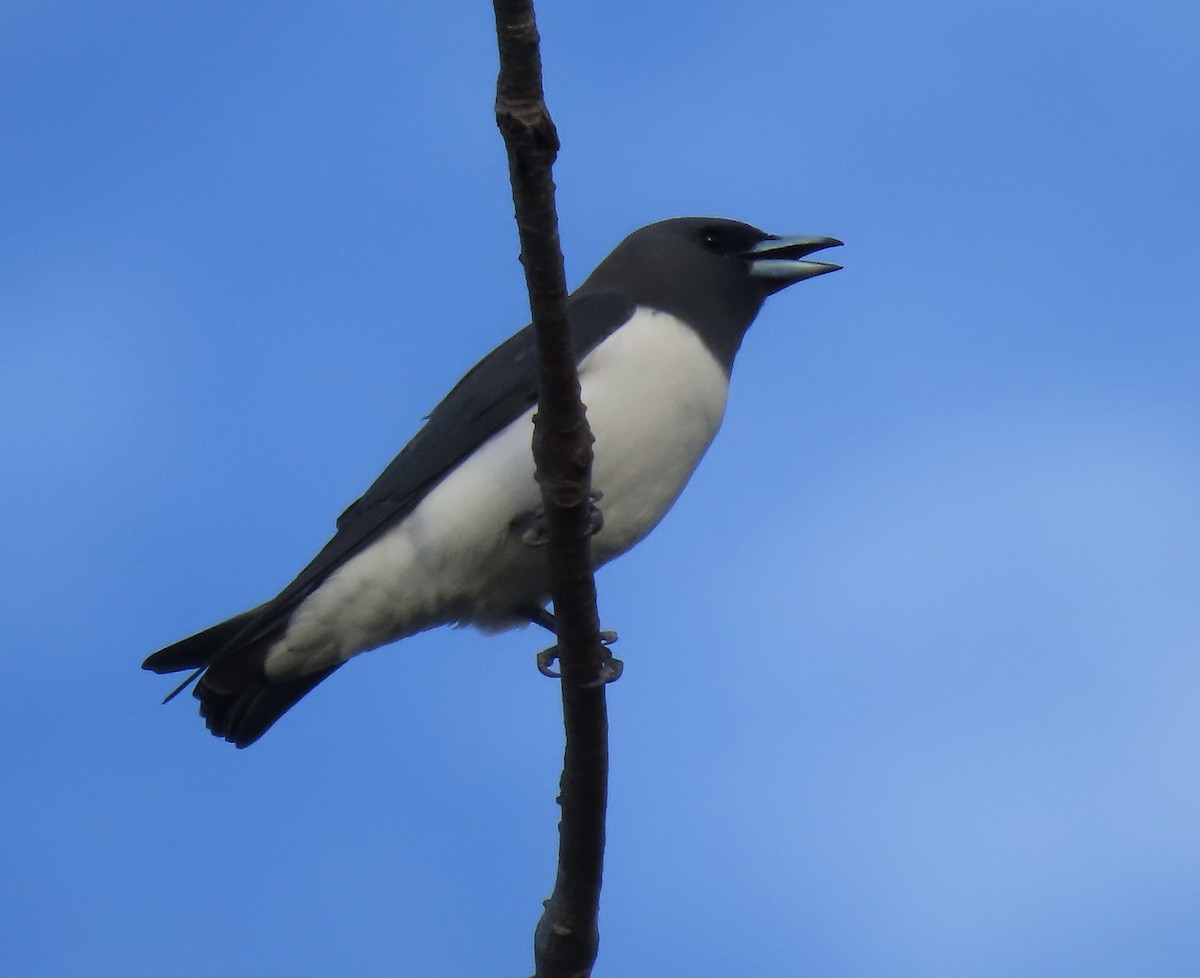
[567, 938]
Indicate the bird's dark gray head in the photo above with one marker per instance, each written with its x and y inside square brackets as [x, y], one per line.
[711, 272]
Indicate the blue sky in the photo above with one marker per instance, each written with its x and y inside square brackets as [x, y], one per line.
[912, 669]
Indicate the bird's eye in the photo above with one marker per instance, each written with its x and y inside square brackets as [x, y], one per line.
[712, 239]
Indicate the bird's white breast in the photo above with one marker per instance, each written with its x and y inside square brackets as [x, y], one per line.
[655, 398]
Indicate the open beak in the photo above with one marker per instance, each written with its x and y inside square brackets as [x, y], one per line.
[780, 260]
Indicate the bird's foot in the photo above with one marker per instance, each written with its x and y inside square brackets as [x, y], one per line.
[610, 666]
[532, 523]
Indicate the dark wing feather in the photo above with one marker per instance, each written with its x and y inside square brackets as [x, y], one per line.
[493, 393]
[237, 699]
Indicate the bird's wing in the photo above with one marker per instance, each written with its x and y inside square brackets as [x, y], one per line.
[493, 393]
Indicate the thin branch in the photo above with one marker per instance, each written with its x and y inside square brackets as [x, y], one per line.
[567, 938]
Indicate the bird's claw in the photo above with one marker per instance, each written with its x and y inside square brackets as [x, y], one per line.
[595, 516]
[610, 671]
[610, 666]
[545, 659]
[536, 535]
[534, 522]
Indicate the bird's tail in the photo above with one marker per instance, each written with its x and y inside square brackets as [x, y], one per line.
[237, 700]
[200, 649]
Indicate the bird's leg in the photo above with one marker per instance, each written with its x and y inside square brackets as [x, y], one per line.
[540, 616]
[610, 669]
[531, 524]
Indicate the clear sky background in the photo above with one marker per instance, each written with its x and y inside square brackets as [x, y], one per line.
[912, 677]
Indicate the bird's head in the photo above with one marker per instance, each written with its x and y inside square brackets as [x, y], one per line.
[712, 272]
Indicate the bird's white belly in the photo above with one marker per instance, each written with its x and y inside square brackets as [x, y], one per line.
[655, 398]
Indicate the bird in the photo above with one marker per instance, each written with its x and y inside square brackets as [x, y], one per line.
[450, 533]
